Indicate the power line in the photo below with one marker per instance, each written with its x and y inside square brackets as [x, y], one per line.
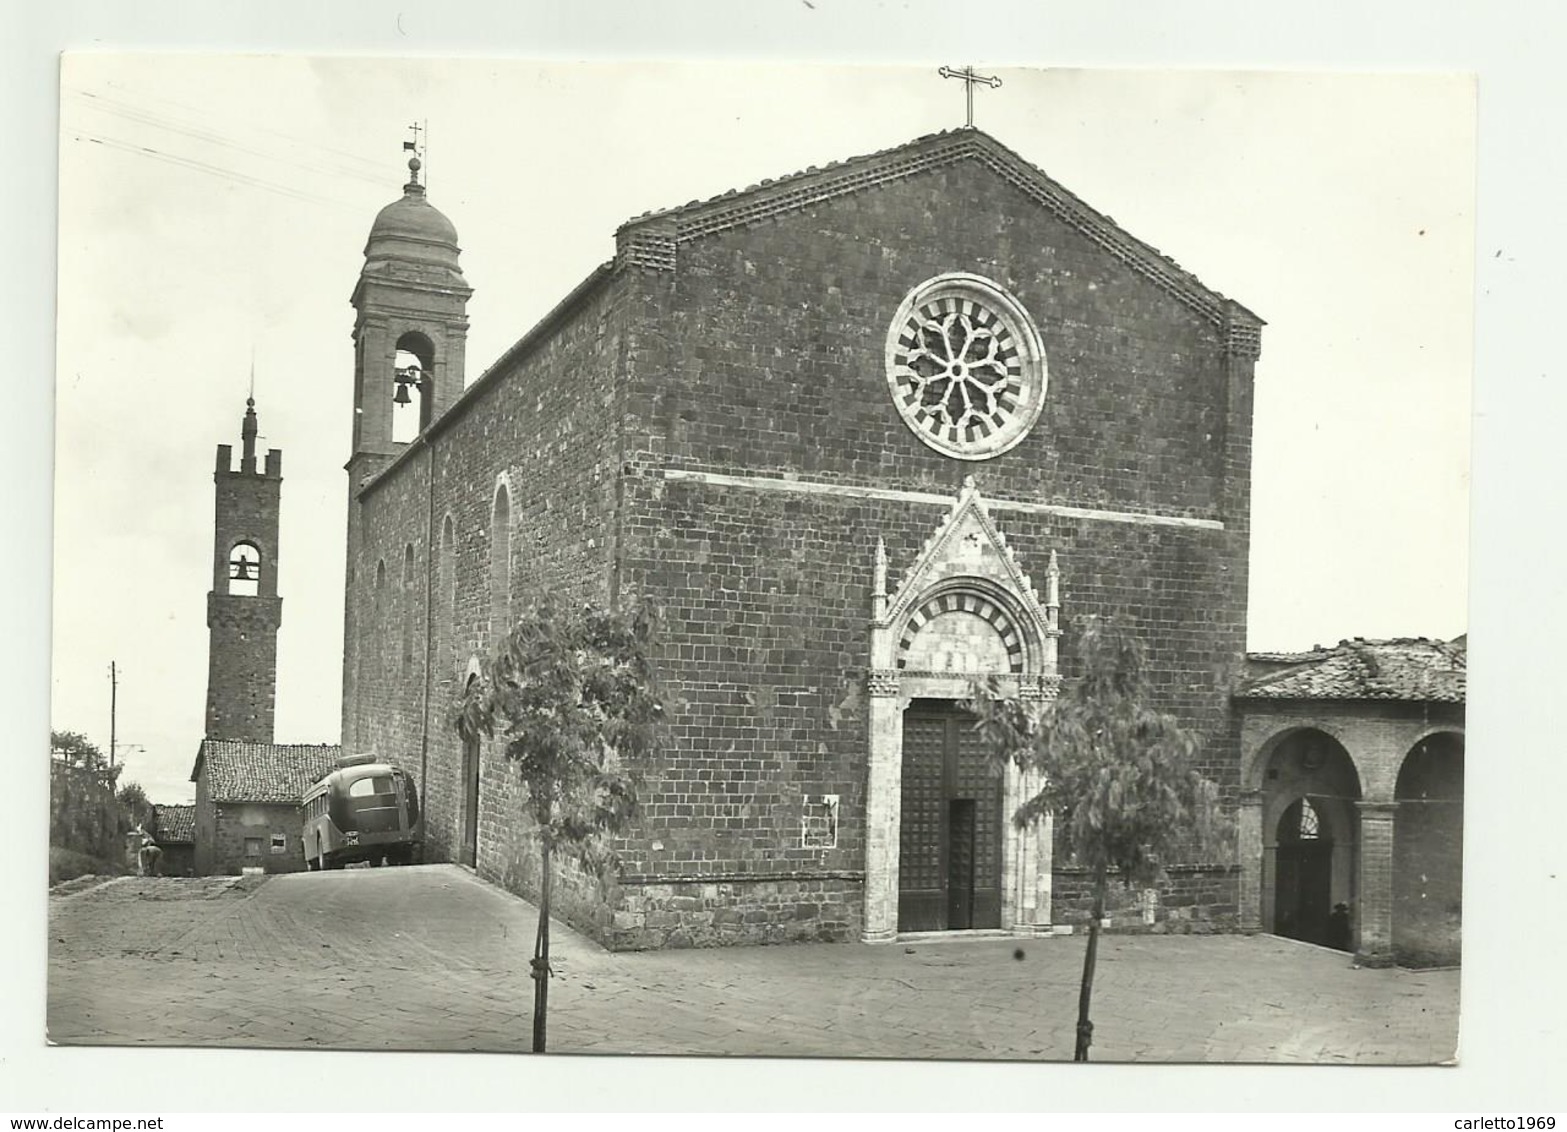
[293, 161]
[372, 163]
[210, 169]
[196, 120]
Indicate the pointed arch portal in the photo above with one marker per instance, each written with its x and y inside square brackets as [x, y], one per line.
[941, 853]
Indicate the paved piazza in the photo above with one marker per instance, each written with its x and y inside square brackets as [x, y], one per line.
[430, 958]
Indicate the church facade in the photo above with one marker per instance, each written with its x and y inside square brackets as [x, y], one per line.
[863, 433]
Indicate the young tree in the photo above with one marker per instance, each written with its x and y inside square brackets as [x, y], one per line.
[137, 809]
[570, 692]
[1118, 776]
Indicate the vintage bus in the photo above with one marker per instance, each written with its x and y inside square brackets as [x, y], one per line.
[363, 810]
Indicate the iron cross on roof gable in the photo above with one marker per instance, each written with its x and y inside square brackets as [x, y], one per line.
[970, 78]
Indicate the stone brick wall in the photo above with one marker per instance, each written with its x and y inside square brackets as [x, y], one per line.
[771, 357]
[817, 906]
[543, 421]
[242, 667]
[1191, 899]
[763, 357]
[206, 825]
[1428, 858]
[235, 823]
[1428, 852]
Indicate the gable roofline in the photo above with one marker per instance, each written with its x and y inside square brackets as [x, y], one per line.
[239, 770]
[652, 239]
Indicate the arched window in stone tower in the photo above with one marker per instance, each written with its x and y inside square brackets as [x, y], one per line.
[413, 369]
[244, 569]
[500, 563]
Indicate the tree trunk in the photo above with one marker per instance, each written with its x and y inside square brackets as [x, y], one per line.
[1085, 1028]
[541, 954]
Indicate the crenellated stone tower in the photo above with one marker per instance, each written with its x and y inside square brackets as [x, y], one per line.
[243, 607]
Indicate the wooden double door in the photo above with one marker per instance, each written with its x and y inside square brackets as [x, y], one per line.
[951, 828]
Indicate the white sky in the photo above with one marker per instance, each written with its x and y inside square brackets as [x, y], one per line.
[214, 206]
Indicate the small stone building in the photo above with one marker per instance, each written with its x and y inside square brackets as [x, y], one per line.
[1352, 780]
[865, 432]
[174, 831]
[247, 803]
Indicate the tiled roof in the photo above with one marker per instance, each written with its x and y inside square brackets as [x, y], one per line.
[262, 772]
[176, 823]
[739, 207]
[1415, 670]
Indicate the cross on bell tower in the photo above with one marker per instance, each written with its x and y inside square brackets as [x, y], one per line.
[970, 79]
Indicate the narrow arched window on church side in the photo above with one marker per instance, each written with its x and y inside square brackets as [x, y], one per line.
[445, 620]
[500, 563]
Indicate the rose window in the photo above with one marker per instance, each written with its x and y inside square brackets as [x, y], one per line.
[965, 366]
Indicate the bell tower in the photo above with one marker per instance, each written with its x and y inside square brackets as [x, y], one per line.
[410, 330]
[243, 608]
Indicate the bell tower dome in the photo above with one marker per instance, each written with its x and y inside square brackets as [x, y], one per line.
[411, 325]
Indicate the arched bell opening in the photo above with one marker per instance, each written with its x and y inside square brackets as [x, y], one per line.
[1310, 828]
[413, 376]
[1428, 853]
[244, 570]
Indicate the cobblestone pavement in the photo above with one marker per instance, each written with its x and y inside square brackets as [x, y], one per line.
[430, 958]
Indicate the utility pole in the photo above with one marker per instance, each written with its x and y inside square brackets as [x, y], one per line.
[114, 692]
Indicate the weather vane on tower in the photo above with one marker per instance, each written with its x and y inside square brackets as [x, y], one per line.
[970, 78]
[416, 162]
